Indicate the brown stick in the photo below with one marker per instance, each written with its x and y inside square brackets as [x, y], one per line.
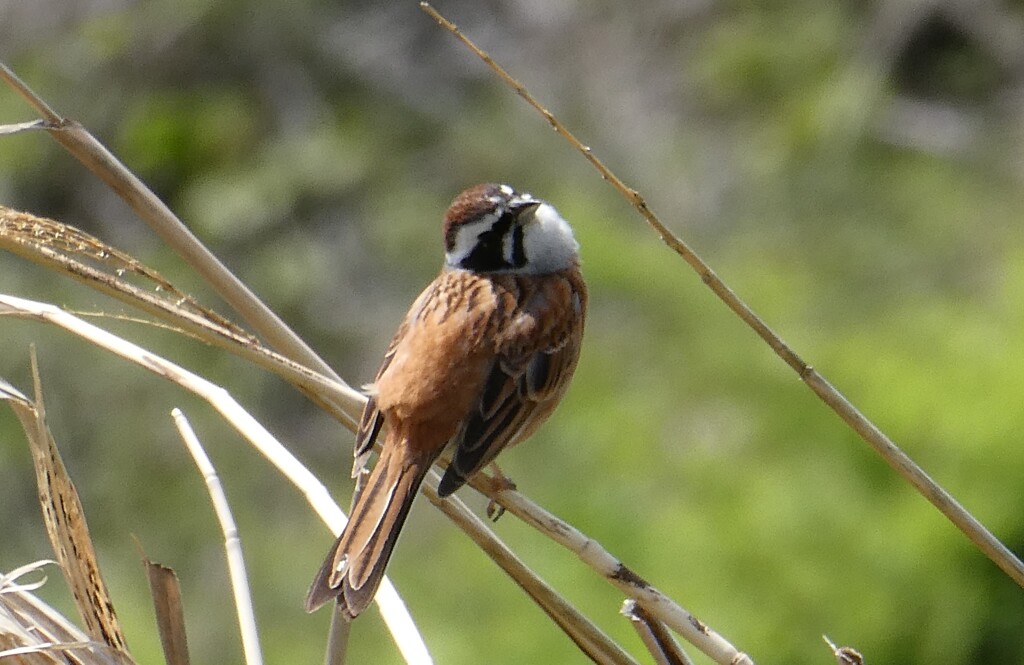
[867, 430]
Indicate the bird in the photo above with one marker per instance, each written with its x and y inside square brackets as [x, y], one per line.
[481, 359]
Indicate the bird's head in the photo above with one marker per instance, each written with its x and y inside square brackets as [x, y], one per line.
[494, 228]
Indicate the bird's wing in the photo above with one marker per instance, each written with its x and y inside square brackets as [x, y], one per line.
[372, 420]
[537, 354]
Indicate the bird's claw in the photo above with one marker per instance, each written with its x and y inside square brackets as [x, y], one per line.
[499, 482]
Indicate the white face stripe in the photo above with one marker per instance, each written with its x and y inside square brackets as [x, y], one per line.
[508, 248]
[466, 237]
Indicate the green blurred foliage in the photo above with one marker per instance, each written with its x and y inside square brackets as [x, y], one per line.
[852, 171]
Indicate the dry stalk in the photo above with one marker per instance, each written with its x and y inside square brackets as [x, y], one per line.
[94, 155]
[655, 636]
[590, 552]
[590, 639]
[232, 541]
[69, 251]
[66, 525]
[867, 430]
[69, 536]
[844, 655]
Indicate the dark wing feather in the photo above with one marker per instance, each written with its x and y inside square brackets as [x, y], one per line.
[372, 420]
[369, 427]
[536, 357]
[509, 402]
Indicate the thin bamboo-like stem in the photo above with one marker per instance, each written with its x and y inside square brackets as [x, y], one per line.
[868, 431]
[655, 636]
[590, 639]
[25, 235]
[94, 155]
[232, 541]
[616, 573]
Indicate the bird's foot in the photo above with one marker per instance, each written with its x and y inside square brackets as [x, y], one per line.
[498, 482]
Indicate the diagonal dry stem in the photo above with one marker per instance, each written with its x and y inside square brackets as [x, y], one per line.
[590, 639]
[867, 430]
[655, 635]
[94, 155]
[96, 264]
[601, 561]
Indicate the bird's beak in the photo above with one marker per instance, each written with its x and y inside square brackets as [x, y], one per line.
[524, 211]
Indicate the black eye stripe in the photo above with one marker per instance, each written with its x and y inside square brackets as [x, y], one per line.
[489, 253]
[518, 253]
[500, 227]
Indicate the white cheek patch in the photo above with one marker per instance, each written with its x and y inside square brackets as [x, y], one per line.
[551, 222]
[549, 243]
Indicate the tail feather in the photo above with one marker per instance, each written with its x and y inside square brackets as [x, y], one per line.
[355, 565]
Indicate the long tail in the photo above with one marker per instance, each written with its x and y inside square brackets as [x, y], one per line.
[355, 565]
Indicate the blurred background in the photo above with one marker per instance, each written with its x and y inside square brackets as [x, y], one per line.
[852, 170]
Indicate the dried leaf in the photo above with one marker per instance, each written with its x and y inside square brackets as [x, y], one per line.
[103, 266]
[65, 521]
[170, 614]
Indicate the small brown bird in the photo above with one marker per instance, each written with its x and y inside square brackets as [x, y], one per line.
[480, 361]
